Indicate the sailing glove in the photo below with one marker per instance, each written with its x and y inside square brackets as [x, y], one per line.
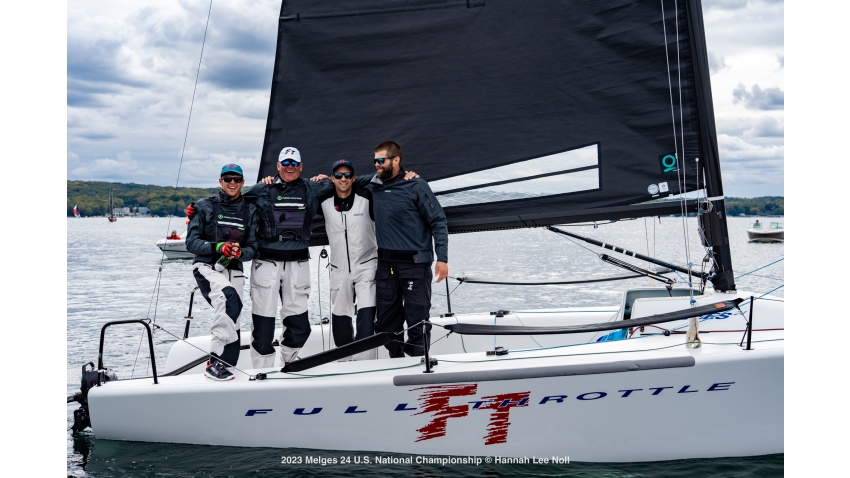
[191, 211]
[228, 249]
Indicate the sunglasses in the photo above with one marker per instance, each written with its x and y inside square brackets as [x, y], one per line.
[232, 179]
[346, 175]
[287, 162]
[382, 160]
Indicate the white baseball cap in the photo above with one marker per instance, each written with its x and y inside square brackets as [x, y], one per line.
[289, 153]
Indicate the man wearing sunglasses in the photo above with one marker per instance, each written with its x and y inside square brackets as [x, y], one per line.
[350, 225]
[407, 218]
[223, 227]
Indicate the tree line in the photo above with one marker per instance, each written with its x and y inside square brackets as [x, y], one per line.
[761, 206]
[92, 199]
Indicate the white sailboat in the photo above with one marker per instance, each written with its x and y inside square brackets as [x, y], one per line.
[686, 370]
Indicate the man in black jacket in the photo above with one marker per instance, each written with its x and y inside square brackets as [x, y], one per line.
[222, 235]
[407, 217]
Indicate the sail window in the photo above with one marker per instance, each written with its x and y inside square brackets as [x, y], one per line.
[560, 173]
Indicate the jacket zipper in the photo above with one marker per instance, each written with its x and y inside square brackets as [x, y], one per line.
[345, 228]
[427, 197]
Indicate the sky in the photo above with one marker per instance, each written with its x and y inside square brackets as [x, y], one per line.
[131, 71]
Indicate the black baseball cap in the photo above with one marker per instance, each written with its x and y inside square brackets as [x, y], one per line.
[342, 162]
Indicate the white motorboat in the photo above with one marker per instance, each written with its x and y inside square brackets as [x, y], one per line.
[774, 232]
[509, 107]
[174, 248]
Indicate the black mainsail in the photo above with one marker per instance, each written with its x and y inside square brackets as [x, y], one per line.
[518, 113]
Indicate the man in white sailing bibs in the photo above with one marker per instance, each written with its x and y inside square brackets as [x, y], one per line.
[222, 235]
[350, 225]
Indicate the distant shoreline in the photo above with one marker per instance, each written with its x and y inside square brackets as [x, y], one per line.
[92, 199]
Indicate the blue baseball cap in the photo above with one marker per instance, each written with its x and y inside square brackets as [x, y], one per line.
[342, 162]
[231, 168]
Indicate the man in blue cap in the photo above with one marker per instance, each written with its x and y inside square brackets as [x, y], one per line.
[350, 225]
[222, 235]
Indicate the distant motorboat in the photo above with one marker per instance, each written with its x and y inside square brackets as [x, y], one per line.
[775, 232]
[174, 246]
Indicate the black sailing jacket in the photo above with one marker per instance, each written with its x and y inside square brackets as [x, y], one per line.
[407, 216]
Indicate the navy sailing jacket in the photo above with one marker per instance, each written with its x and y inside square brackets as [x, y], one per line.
[407, 216]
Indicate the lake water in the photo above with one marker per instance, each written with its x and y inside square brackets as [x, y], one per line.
[112, 274]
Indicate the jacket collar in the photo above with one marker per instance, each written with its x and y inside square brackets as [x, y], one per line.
[377, 180]
[279, 182]
[225, 199]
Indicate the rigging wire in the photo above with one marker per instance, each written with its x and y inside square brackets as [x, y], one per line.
[683, 180]
[319, 296]
[158, 283]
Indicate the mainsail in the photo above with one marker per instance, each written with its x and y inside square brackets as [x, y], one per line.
[518, 113]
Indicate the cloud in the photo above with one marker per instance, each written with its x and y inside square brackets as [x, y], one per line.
[758, 99]
[767, 127]
[203, 169]
[123, 168]
[737, 150]
[716, 63]
[780, 57]
[724, 4]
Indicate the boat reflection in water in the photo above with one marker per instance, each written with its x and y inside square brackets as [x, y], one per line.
[774, 233]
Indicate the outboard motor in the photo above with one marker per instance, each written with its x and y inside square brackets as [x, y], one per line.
[89, 379]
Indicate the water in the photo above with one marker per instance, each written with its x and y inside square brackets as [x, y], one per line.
[112, 271]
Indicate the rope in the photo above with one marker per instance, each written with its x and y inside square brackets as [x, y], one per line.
[760, 268]
[453, 290]
[530, 336]
[592, 353]
[234, 367]
[137, 354]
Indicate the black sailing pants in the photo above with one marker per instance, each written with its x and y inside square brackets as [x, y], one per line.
[403, 293]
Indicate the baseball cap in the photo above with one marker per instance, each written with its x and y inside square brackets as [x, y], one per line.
[342, 162]
[231, 168]
[289, 153]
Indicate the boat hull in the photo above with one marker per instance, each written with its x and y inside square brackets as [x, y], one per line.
[174, 248]
[759, 236]
[729, 402]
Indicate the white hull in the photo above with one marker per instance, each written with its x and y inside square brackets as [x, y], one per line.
[718, 400]
[174, 248]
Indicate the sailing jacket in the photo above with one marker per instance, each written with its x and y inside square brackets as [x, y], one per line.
[351, 230]
[277, 205]
[407, 216]
[210, 225]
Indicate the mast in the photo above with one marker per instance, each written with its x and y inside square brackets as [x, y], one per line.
[712, 218]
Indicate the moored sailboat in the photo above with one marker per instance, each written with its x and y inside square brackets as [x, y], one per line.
[524, 114]
[111, 212]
